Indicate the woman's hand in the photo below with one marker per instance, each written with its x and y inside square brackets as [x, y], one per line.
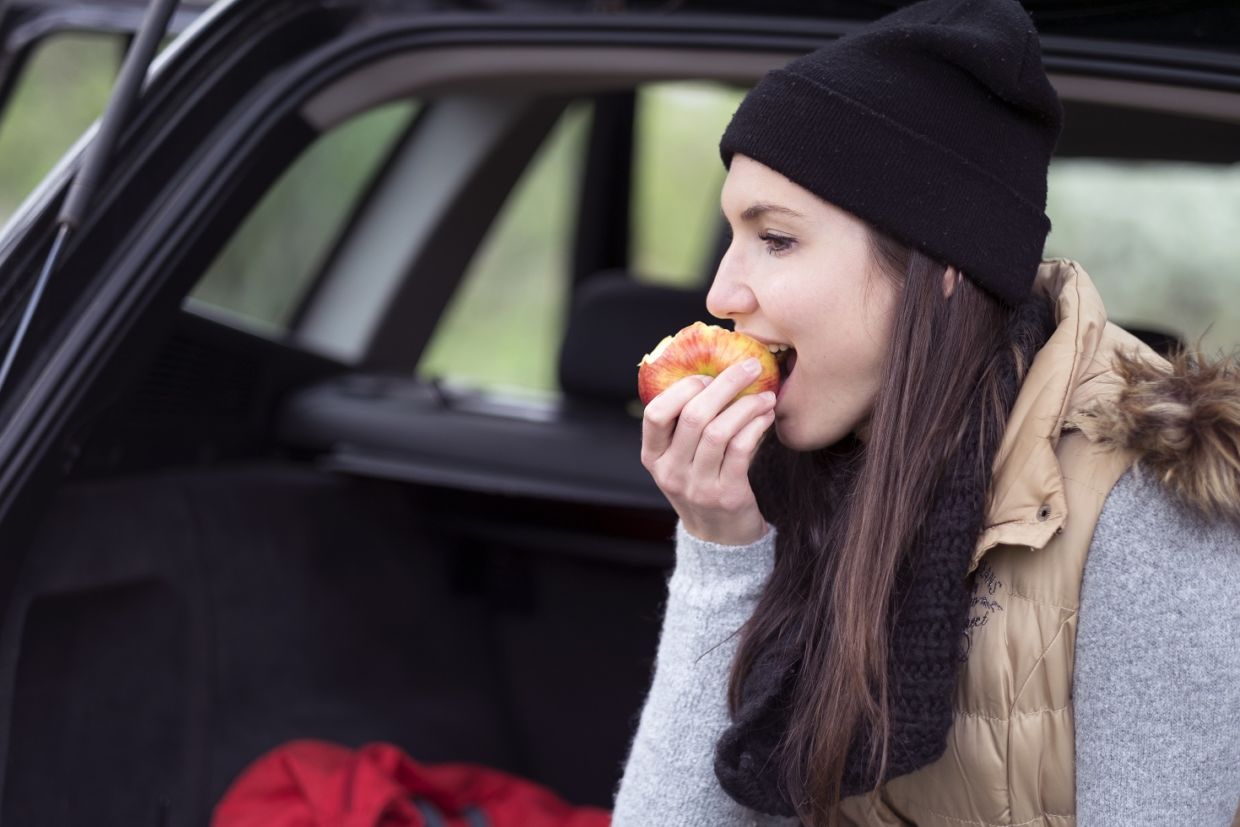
[698, 448]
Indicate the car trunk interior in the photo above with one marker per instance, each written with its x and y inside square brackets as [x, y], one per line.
[179, 621]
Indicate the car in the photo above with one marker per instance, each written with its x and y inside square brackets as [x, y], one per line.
[325, 424]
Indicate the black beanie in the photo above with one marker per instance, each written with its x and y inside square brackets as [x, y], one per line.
[934, 123]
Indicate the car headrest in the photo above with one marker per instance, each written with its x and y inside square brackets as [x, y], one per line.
[614, 322]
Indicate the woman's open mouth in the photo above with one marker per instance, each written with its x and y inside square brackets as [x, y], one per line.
[786, 359]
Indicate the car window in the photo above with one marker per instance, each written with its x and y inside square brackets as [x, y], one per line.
[1159, 239]
[677, 176]
[270, 262]
[62, 89]
[503, 326]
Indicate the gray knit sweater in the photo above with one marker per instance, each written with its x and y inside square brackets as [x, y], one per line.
[1156, 691]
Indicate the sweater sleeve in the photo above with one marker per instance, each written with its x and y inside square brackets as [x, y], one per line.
[1156, 689]
[669, 777]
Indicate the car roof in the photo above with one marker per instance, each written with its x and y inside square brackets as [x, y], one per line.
[26, 22]
[1212, 24]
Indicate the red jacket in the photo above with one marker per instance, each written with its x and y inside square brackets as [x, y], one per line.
[319, 784]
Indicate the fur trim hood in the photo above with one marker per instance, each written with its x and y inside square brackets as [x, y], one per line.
[1177, 419]
[1182, 420]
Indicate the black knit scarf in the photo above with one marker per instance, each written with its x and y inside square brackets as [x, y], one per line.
[932, 592]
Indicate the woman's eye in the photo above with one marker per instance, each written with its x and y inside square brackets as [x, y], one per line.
[777, 244]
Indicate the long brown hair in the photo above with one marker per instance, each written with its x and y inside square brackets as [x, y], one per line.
[847, 513]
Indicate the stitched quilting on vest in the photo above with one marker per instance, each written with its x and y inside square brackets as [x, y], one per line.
[1005, 762]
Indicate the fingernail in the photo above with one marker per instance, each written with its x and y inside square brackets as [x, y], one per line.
[706, 380]
[752, 366]
[767, 396]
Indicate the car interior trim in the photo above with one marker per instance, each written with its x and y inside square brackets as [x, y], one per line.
[578, 69]
[551, 69]
[1155, 97]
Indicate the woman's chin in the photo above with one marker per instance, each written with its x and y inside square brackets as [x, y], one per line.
[796, 440]
[787, 435]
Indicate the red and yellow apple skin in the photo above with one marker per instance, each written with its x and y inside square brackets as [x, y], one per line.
[704, 349]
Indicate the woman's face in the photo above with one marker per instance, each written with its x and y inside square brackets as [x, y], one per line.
[799, 272]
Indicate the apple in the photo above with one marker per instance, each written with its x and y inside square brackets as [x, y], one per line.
[704, 349]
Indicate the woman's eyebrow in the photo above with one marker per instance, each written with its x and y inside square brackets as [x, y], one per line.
[754, 211]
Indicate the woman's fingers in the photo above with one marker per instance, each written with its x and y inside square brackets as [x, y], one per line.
[742, 447]
[723, 430]
[699, 411]
[659, 417]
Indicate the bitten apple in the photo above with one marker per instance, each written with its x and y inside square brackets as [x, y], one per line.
[704, 349]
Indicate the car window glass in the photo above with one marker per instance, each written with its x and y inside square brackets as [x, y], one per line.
[267, 266]
[503, 326]
[677, 176]
[1159, 239]
[61, 90]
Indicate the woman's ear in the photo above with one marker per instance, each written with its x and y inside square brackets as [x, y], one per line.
[951, 277]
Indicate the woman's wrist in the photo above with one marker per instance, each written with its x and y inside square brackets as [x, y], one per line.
[732, 536]
[707, 572]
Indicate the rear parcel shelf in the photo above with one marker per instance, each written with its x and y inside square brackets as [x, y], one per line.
[559, 475]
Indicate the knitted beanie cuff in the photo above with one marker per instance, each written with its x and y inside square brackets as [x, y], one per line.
[947, 205]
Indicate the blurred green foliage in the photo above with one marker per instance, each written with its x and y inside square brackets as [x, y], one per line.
[63, 88]
[677, 176]
[1161, 240]
[266, 267]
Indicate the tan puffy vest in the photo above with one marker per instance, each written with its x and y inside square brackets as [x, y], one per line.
[1010, 753]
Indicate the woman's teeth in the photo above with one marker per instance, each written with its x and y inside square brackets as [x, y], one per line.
[785, 355]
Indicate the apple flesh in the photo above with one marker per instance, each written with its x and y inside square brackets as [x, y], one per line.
[703, 349]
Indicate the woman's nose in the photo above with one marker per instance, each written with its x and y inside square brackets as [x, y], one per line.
[729, 295]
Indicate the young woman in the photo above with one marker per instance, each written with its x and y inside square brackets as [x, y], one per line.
[976, 563]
